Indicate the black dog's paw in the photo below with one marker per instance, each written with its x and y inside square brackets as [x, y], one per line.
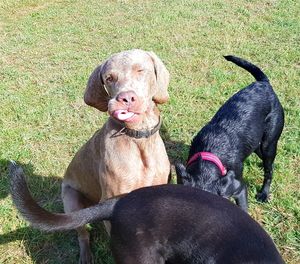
[262, 197]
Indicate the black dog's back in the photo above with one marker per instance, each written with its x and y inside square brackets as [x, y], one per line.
[239, 124]
[188, 226]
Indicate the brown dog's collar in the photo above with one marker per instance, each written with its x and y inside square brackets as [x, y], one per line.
[139, 133]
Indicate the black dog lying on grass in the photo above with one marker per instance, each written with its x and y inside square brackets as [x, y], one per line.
[250, 121]
[171, 224]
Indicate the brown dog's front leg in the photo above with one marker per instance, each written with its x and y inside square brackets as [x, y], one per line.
[73, 201]
[86, 256]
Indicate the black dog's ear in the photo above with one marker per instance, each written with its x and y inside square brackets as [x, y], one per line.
[229, 184]
[226, 185]
[227, 179]
[182, 176]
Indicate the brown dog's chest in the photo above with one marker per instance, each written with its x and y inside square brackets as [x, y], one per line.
[137, 164]
[107, 166]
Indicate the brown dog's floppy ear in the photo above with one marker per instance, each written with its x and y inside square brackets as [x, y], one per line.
[162, 79]
[95, 94]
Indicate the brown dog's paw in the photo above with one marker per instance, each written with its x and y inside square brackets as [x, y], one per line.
[86, 256]
[86, 259]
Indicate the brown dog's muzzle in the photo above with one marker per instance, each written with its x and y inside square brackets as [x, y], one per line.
[128, 99]
[126, 106]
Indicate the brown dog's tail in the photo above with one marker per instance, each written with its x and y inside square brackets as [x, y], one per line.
[47, 221]
[256, 72]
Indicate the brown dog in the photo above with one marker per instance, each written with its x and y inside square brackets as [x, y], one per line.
[123, 154]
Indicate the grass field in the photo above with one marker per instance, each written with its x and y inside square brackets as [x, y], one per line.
[49, 48]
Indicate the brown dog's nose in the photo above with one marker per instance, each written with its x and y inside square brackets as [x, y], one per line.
[128, 98]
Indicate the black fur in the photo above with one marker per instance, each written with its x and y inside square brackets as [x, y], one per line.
[250, 121]
[170, 224]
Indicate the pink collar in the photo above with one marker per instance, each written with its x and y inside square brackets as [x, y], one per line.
[210, 157]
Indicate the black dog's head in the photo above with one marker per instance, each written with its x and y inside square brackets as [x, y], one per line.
[206, 176]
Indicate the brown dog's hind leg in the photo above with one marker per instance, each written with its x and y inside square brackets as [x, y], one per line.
[73, 201]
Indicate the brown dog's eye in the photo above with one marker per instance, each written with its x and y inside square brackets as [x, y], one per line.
[140, 70]
[109, 78]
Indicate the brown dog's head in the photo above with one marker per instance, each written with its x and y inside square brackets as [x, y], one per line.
[127, 84]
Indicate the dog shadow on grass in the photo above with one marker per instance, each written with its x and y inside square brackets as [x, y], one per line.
[43, 247]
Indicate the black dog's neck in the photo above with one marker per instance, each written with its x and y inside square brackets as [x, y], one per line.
[204, 170]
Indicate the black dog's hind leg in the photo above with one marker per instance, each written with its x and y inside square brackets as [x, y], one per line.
[268, 148]
[258, 152]
[268, 156]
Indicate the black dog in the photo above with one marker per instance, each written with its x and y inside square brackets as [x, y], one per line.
[250, 121]
[171, 224]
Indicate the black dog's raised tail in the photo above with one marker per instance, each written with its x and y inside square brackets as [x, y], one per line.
[254, 70]
[47, 221]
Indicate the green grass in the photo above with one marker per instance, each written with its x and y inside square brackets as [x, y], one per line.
[49, 48]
